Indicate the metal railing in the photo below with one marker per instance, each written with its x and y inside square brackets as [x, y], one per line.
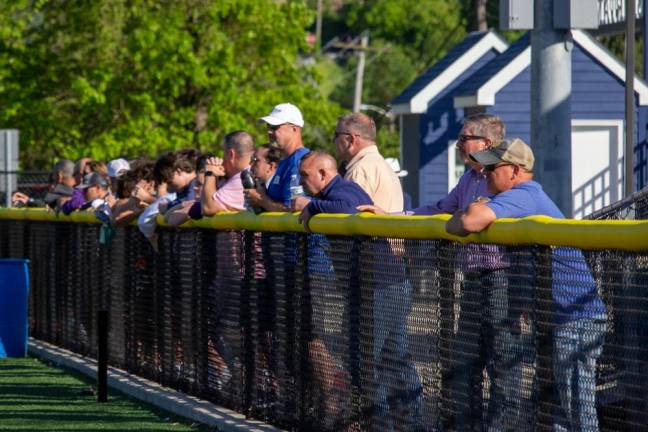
[354, 332]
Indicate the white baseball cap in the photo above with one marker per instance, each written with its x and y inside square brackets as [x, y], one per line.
[284, 113]
[395, 166]
[117, 167]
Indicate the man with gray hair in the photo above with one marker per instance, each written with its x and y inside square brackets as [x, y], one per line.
[226, 193]
[479, 132]
[62, 183]
[355, 143]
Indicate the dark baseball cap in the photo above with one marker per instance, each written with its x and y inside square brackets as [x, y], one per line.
[94, 179]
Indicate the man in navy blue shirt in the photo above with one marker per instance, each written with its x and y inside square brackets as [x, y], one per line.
[579, 313]
[391, 297]
[332, 193]
[285, 124]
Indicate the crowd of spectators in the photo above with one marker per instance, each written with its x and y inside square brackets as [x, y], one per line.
[284, 175]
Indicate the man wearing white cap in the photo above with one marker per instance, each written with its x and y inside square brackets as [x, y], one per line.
[285, 123]
[117, 167]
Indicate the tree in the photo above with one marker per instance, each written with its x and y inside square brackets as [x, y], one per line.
[425, 29]
[136, 78]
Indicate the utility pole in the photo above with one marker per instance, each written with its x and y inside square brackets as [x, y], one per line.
[551, 73]
[480, 14]
[361, 52]
[357, 96]
[318, 28]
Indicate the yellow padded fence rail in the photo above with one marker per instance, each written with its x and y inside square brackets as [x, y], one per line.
[542, 230]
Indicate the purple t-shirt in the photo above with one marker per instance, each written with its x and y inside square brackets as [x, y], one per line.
[471, 186]
[77, 201]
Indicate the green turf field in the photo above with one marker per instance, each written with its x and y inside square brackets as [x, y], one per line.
[38, 397]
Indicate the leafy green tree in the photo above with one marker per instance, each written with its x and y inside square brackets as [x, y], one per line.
[406, 37]
[425, 29]
[136, 78]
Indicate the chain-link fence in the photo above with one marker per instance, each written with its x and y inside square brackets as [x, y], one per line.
[633, 207]
[33, 184]
[315, 332]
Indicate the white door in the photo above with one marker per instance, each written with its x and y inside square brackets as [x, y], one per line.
[456, 165]
[597, 157]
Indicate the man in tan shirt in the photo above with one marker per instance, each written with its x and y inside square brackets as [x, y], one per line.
[355, 142]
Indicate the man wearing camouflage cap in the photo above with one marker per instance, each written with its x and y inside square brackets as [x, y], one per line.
[579, 315]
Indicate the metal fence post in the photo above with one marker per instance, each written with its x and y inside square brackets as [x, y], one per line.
[545, 396]
[102, 356]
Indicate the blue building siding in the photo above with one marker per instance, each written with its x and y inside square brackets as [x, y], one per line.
[432, 73]
[438, 126]
[469, 87]
[513, 106]
[596, 95]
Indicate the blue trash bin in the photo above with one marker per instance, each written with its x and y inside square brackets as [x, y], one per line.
[14, 294]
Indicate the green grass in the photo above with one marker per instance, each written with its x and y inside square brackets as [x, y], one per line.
[38, 397]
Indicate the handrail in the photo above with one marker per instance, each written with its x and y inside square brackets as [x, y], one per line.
[542, 230]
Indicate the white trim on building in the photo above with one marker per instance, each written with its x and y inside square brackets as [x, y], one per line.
[485, 95]
[418, 104]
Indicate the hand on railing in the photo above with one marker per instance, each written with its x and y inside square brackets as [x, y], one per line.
[299, 202]
[305, 217]
[19, 199]
[371, 209]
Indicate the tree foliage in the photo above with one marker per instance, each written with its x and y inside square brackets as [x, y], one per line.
[136, 78]
[406, 37]
[425, 29]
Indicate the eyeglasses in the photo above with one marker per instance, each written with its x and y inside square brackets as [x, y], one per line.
[273, 128]
[463, 138]
[254, 159]
[491, 168]
[336, 134]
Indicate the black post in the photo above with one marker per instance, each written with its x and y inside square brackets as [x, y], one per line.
[545, 394]
[102, 356]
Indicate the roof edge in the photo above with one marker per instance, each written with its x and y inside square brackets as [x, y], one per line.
[418, 103]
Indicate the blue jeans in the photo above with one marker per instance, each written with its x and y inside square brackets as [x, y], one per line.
[398, 385]
[577, 347]
[486, 339]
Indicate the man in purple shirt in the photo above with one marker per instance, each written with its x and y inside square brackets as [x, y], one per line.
[94, 186]
[479, 132]
[484, 283]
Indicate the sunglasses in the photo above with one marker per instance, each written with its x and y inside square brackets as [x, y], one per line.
[275, 127]
[463, 138]
[337, 134]
[491, 168]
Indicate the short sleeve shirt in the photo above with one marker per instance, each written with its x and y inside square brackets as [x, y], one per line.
[279, 188]
[230, 194]
[573, 290]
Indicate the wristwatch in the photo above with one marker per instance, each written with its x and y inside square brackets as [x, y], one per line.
[210, 174]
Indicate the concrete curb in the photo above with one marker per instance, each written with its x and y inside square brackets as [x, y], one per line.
[151, 392]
